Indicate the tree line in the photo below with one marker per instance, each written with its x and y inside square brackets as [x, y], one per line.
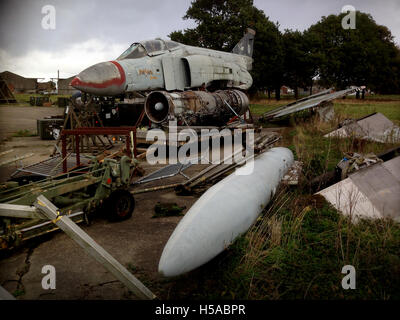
[326, 52]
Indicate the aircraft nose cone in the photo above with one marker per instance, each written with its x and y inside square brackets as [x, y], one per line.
[76, 82]
[105, 78]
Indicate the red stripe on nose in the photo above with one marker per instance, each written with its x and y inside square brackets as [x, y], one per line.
[78, 82]
[75, 82]
[121, 71]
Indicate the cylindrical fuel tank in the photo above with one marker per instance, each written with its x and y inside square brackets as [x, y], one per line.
[223, 212]
[195, 107]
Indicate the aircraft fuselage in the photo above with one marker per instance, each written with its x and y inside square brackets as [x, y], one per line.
[176, 67]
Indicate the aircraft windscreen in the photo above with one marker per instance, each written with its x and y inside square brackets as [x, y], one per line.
[154, 46]
[135, 51]
[171, 44]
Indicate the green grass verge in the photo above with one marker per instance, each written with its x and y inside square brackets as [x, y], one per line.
[259, 109]
[23, 98]
[298, 248]
[383, 97]
[356, 110]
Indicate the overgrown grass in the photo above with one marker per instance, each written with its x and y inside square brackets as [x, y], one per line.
[380, 97]
[319, 154]
[357, 109]
[259, 109]
[296, 250]
[350, 108]
[299, 246]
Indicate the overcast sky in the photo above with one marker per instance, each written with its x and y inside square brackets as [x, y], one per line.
[90, 31]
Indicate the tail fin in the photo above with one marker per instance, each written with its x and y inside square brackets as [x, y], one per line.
[245, 45]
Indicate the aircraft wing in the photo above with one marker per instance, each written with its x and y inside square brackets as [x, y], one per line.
[306, 103]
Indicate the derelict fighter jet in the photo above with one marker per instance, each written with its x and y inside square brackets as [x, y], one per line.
[176, 80]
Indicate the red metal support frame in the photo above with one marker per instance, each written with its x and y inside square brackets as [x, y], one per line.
[118, 131]
[64, 152]
[77, 152]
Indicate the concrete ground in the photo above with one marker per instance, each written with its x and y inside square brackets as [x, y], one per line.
[14, 119]
[137, 243]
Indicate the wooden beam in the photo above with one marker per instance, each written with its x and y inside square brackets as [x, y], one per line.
[92, 248]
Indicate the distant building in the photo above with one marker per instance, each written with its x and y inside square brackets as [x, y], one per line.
[64, 87]
[19, 84]
[48, 86]
[6, 96]
[286, 90]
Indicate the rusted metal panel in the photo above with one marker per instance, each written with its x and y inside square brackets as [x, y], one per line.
[375, 127]
[196, 107]
[165, 172]
[204, 70]
[122, 131]
[175, 73]
[372, 192]
[393, 166]
[300, 105]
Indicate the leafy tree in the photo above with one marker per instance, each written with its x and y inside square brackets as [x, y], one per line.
[221, 24]
[366, 55]
[300, 63]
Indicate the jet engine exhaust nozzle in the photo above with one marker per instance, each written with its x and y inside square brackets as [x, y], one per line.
[156, 107]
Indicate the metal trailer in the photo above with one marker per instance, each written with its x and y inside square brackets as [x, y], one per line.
[103, 184]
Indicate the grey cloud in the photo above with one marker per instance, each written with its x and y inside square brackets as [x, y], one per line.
[77, 21]
[293, 14]
[125, 21]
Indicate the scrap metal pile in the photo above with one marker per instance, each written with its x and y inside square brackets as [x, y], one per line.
[373, 127]
[319, 101]
[158, 81]
[371, 192]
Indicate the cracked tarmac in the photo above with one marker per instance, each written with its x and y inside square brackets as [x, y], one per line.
[136, 243]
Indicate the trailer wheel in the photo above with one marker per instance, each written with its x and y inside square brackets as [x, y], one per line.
[120, 205]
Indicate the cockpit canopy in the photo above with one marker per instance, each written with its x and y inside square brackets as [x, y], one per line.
[150, 47]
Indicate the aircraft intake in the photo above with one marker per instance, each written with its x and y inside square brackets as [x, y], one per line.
[196, 107]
